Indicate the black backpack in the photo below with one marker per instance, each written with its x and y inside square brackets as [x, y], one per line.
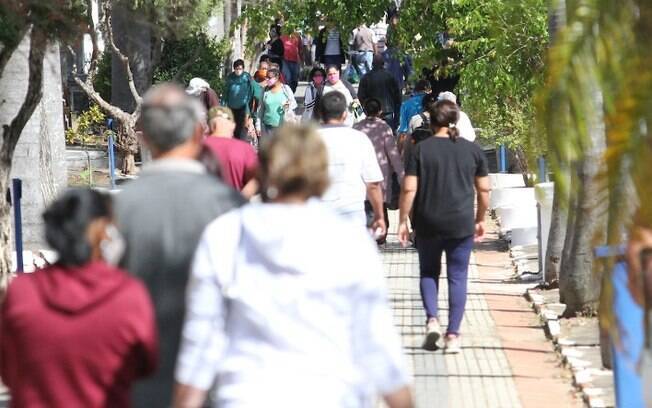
[422, 132]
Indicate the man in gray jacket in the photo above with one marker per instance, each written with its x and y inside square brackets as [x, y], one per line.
[162, 215]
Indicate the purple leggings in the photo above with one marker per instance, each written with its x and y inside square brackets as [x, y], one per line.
[458, 253]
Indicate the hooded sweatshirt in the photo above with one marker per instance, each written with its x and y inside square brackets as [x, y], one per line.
[287, 307]
[76, 337]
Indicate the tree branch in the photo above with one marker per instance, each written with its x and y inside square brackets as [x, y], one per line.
[125, 60]
[95, 53]
[89, 89]
[11, 133]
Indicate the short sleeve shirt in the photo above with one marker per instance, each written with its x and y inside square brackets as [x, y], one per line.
[238, 160]
[445, 200]
[352, 163]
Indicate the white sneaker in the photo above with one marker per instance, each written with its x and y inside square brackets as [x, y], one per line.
[433, 334]
[453, 344]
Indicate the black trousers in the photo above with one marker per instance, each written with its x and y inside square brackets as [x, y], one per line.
[240, 118]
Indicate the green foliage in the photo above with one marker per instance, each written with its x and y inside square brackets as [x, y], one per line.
[174, 18]
[58, 19]
[498, 49]
[102, 80]
[195, 56]
[307, 15]
[88, 127]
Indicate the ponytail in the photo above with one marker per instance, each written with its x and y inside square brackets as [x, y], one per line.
[445, 114]
[453, 132]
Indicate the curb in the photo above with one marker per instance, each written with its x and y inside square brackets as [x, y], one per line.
[594, 383]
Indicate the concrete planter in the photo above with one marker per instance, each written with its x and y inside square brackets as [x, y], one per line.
[506, 180]
[544, 193]
[512, 197]
[517, 217]
[524, 236]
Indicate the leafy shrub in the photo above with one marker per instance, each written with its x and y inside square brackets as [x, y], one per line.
[88, 128]
[196, 56]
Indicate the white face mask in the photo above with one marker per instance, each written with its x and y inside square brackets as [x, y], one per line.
[113, 246]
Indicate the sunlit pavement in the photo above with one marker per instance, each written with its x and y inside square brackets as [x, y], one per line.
[506, 361]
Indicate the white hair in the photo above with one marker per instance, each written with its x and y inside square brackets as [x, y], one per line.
[197, 86]
[447, 96]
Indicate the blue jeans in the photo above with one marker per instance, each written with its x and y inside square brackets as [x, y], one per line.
[458, 253]
[362, 62]
[291, 73]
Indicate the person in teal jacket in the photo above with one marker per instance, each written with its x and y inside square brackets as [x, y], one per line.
[240, 90]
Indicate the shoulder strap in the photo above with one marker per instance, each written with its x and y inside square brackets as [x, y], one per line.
[424, 119]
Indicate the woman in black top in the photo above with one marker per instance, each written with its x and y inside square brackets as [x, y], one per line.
[274, 46]
[444, 175]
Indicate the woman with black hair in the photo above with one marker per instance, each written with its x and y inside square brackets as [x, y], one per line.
[275, 49]
[77, 333]
[444, 175]
[313, 90]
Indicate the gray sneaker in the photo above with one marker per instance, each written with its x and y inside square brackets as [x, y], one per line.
[433, 334]
[453, 344]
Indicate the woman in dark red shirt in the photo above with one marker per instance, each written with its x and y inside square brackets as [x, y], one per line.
[79, 332]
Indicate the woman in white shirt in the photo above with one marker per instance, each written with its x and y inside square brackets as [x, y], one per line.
[275, 320]
[335, 83]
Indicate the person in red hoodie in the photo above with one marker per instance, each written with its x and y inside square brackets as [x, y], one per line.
[77, 333]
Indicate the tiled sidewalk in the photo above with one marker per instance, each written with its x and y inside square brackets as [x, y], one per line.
[483, 375]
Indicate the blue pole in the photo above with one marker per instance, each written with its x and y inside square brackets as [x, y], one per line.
[502, 155]
[17, 187]
[543, 171]
[112, 160]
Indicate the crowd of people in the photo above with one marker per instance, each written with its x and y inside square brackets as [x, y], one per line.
[244, 258]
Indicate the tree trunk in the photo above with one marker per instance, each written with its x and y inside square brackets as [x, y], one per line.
[556, 237]
[17, 109]
[581, 287]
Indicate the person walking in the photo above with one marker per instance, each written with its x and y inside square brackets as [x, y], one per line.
[444, 174]
[330, 50]
[321, 333]
[387, 153]
[380, 84]
[274, 47]
[413, 106]
[202, 90]
[292, 50]
[80, 332]
[236, 161]
[363, 46]
[313, 91]
[278, 103]
[334, 83]
[464, 123]
[162, 213]
[239, 93]
[353, 167]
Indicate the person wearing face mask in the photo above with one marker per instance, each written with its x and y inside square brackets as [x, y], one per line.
[277, 103]
[79, 332]
[313, 90]
[334, 82]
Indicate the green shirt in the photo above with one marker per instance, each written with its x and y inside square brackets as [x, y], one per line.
[273, 107]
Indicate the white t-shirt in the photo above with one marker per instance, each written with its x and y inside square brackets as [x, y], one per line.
[352, 163]
[340, 87]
